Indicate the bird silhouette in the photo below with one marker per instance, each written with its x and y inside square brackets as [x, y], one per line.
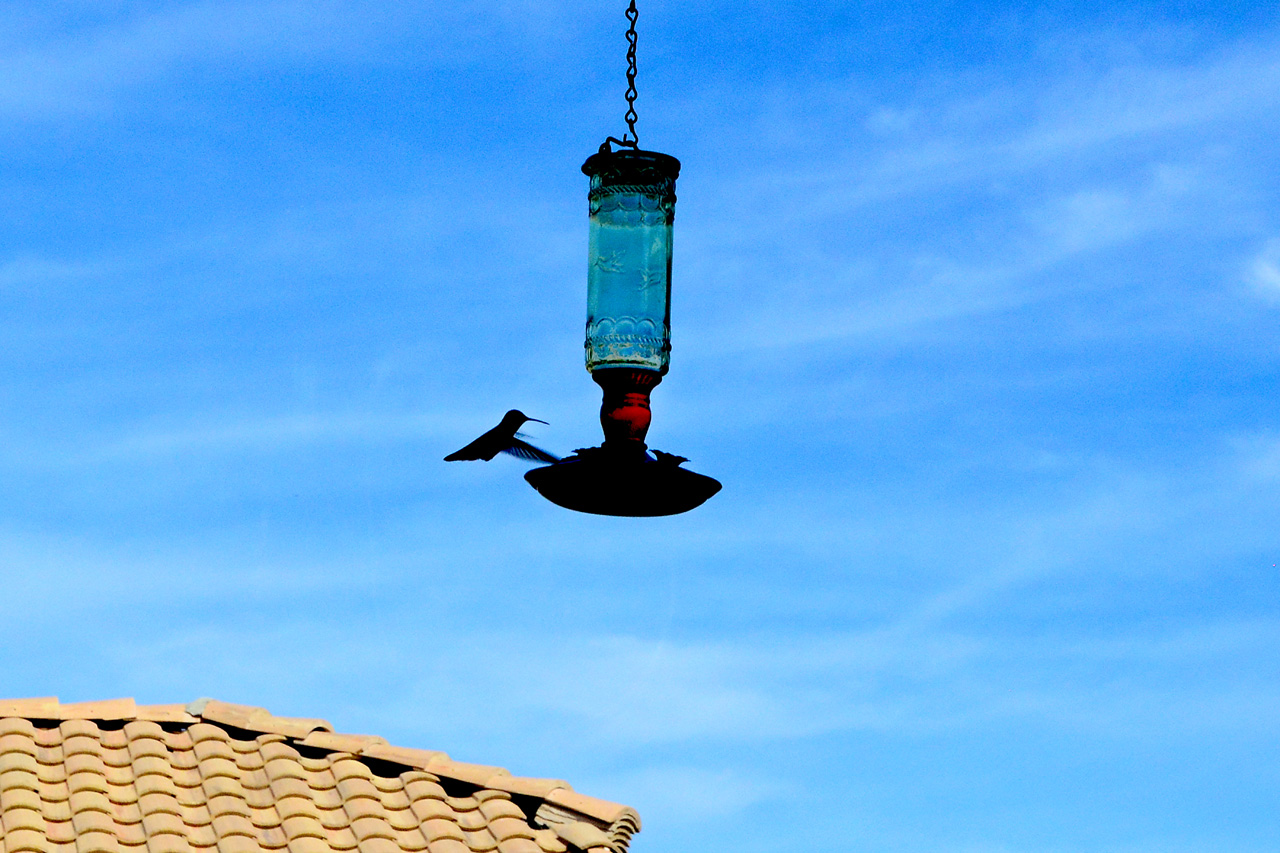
[503, 439]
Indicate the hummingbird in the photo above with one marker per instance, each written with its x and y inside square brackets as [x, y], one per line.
[503, 439]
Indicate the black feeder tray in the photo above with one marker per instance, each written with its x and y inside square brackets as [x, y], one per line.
[605, 481]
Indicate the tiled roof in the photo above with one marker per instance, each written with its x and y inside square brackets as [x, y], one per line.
[211, 777]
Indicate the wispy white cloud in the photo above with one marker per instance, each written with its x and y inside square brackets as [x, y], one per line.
[1067, 168]
[692, 794]
[251, 435]
[626, 690]
[893, 301]
[82, 71]
[1017, 128]
[1263, 272]
[56, 577]
[28, 273]
[82, 68]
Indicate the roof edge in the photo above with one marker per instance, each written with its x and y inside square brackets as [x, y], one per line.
[590, 823]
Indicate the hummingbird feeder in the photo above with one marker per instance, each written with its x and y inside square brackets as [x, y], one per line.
[632, 204]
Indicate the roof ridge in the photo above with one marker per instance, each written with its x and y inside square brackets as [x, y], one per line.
[617, 820]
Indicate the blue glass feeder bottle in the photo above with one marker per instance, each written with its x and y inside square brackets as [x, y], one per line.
[633, 205]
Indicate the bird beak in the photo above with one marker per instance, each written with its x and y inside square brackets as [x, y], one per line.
[539, 421]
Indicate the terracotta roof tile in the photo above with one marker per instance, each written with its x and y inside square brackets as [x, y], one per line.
[216, 777]
[342, 839]
[601, 810]
[323, 739]
[111, 709]
[448, 845]
[237, 844]
[59, 831]
[538, 788]
[475, 774]
[412, 840]
[518, 845]
[480, 839]
[165, 714]
[168, 844]
[402, 755]
[45, 708]
[549, 841]
[402, 821]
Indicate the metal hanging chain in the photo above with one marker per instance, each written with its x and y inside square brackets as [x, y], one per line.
[632, 141]
[631, 116]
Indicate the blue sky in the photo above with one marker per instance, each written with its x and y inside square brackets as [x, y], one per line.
[976, 316]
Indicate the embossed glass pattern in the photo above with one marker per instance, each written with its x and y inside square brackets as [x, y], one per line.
[632, 204]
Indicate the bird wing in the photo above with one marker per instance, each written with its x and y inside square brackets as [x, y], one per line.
[525, 450]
